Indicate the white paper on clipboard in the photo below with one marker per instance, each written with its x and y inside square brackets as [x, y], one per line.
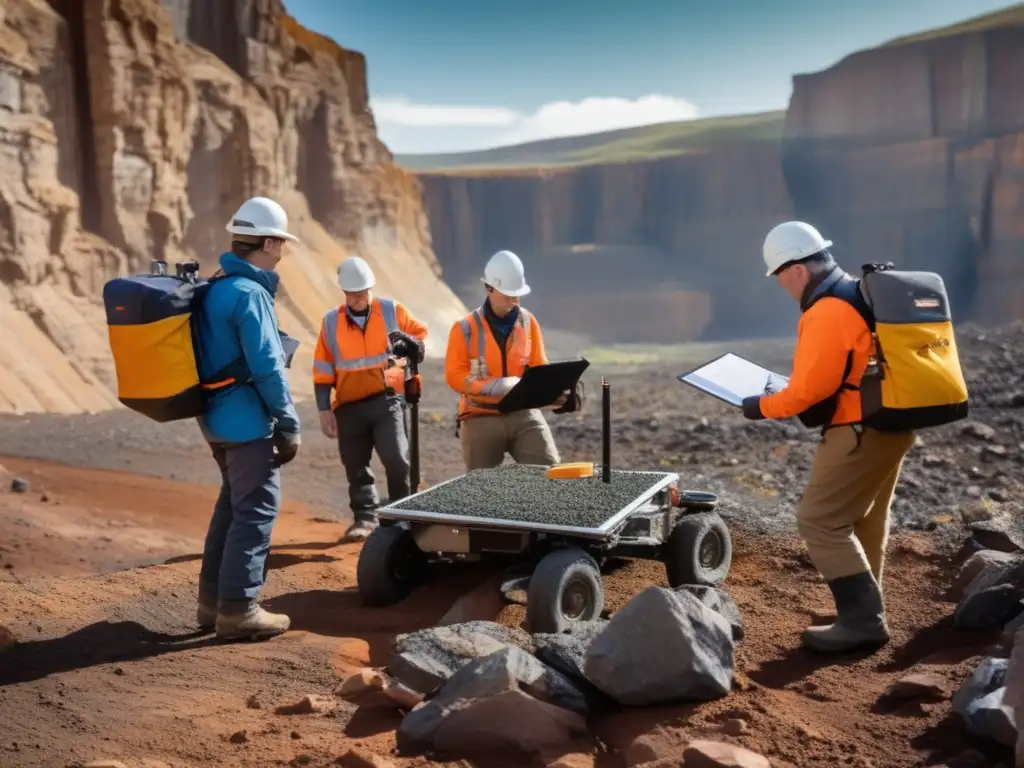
[290, 347]
[732, 378]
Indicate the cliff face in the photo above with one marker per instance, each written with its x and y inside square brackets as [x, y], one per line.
[915, 152]
[912, 153]
[132, 129]
[656, 249]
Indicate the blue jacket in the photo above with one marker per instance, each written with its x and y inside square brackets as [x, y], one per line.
[237, 319]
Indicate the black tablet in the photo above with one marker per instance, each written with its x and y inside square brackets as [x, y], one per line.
[542, 385]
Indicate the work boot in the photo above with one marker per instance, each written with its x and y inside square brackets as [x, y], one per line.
[860, 617]
[362, 527]
[246, 620]
[206, 615]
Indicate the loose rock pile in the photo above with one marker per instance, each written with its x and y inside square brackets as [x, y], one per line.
[479, 686]
[990, 591]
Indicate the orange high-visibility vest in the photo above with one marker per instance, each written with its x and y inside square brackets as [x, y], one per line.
[358, 362]
[473, 362]
[831, 335]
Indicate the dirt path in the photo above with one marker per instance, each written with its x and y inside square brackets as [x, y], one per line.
[110, 665]
[75, 521]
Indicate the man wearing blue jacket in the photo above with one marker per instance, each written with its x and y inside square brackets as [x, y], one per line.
[251, 424]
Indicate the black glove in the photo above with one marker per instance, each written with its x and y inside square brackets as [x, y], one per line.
[752, 407]
[574, 402]
[286, 445]
[404, 345]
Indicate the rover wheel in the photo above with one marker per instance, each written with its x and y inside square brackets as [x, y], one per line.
[390, 566]
[564, 588]
[699, 551]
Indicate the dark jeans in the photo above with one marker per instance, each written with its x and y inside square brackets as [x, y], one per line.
[238, 539]
[378, 422]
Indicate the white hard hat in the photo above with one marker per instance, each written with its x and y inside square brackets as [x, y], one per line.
[261, 217]
[355, 275]
[791, 241]
[505, 274]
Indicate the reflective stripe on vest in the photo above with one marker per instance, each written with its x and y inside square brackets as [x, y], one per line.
[522, 321]
[342, 365]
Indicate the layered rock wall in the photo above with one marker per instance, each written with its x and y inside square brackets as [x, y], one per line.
[676, 241]
[132, 129]
[912, 153]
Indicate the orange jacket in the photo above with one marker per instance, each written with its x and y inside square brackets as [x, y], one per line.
[473, 361]
[827, 334]
[357, 362]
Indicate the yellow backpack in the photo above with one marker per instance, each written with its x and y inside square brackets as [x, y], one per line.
[150, 323]
[914, 379]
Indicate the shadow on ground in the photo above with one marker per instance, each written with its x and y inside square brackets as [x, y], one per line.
[971, 752]
[340, 613]
[940, 643]
[797, 663]
[104, 642]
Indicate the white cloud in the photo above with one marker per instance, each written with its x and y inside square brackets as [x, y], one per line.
[403, 112]
[552, 120]
[595, 114]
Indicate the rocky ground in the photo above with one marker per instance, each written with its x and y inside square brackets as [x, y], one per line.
[99, 546]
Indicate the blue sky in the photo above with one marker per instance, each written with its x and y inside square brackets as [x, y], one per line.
[451, 75]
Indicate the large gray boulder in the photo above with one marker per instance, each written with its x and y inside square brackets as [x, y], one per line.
[424, 660]
[990, 718]
[990, 608]
[663, 646]
[567, 651]
[996, 569]
[718, 601]
[993, 597]
[1013, 628]
[1004, 535]
[987, 560]
[507, 700]
[980, 702]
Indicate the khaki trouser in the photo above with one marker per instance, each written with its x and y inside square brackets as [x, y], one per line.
[523, 434]
[1014, 695]
[844, 514]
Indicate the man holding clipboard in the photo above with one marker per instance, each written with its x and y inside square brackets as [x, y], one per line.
[489, 352]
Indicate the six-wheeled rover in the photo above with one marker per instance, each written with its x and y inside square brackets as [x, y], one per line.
[553, 534]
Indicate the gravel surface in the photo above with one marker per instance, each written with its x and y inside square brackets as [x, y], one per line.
[524, 494]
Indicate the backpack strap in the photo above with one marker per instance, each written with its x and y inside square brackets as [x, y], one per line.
[846, 288]
[236, 373]
[849, 290]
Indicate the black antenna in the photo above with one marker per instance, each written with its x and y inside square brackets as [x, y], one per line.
[606, 430]
[412, 397]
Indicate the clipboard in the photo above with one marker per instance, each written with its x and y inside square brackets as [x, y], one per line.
[730, 378]
[290, 347]
[542, 385]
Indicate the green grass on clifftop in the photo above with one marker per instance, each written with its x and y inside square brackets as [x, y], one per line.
[628, 145]
[1011, 16]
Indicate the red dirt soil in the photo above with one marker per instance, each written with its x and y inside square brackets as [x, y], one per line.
[108, 663]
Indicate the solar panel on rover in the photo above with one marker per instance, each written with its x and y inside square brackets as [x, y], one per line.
[522, 493]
